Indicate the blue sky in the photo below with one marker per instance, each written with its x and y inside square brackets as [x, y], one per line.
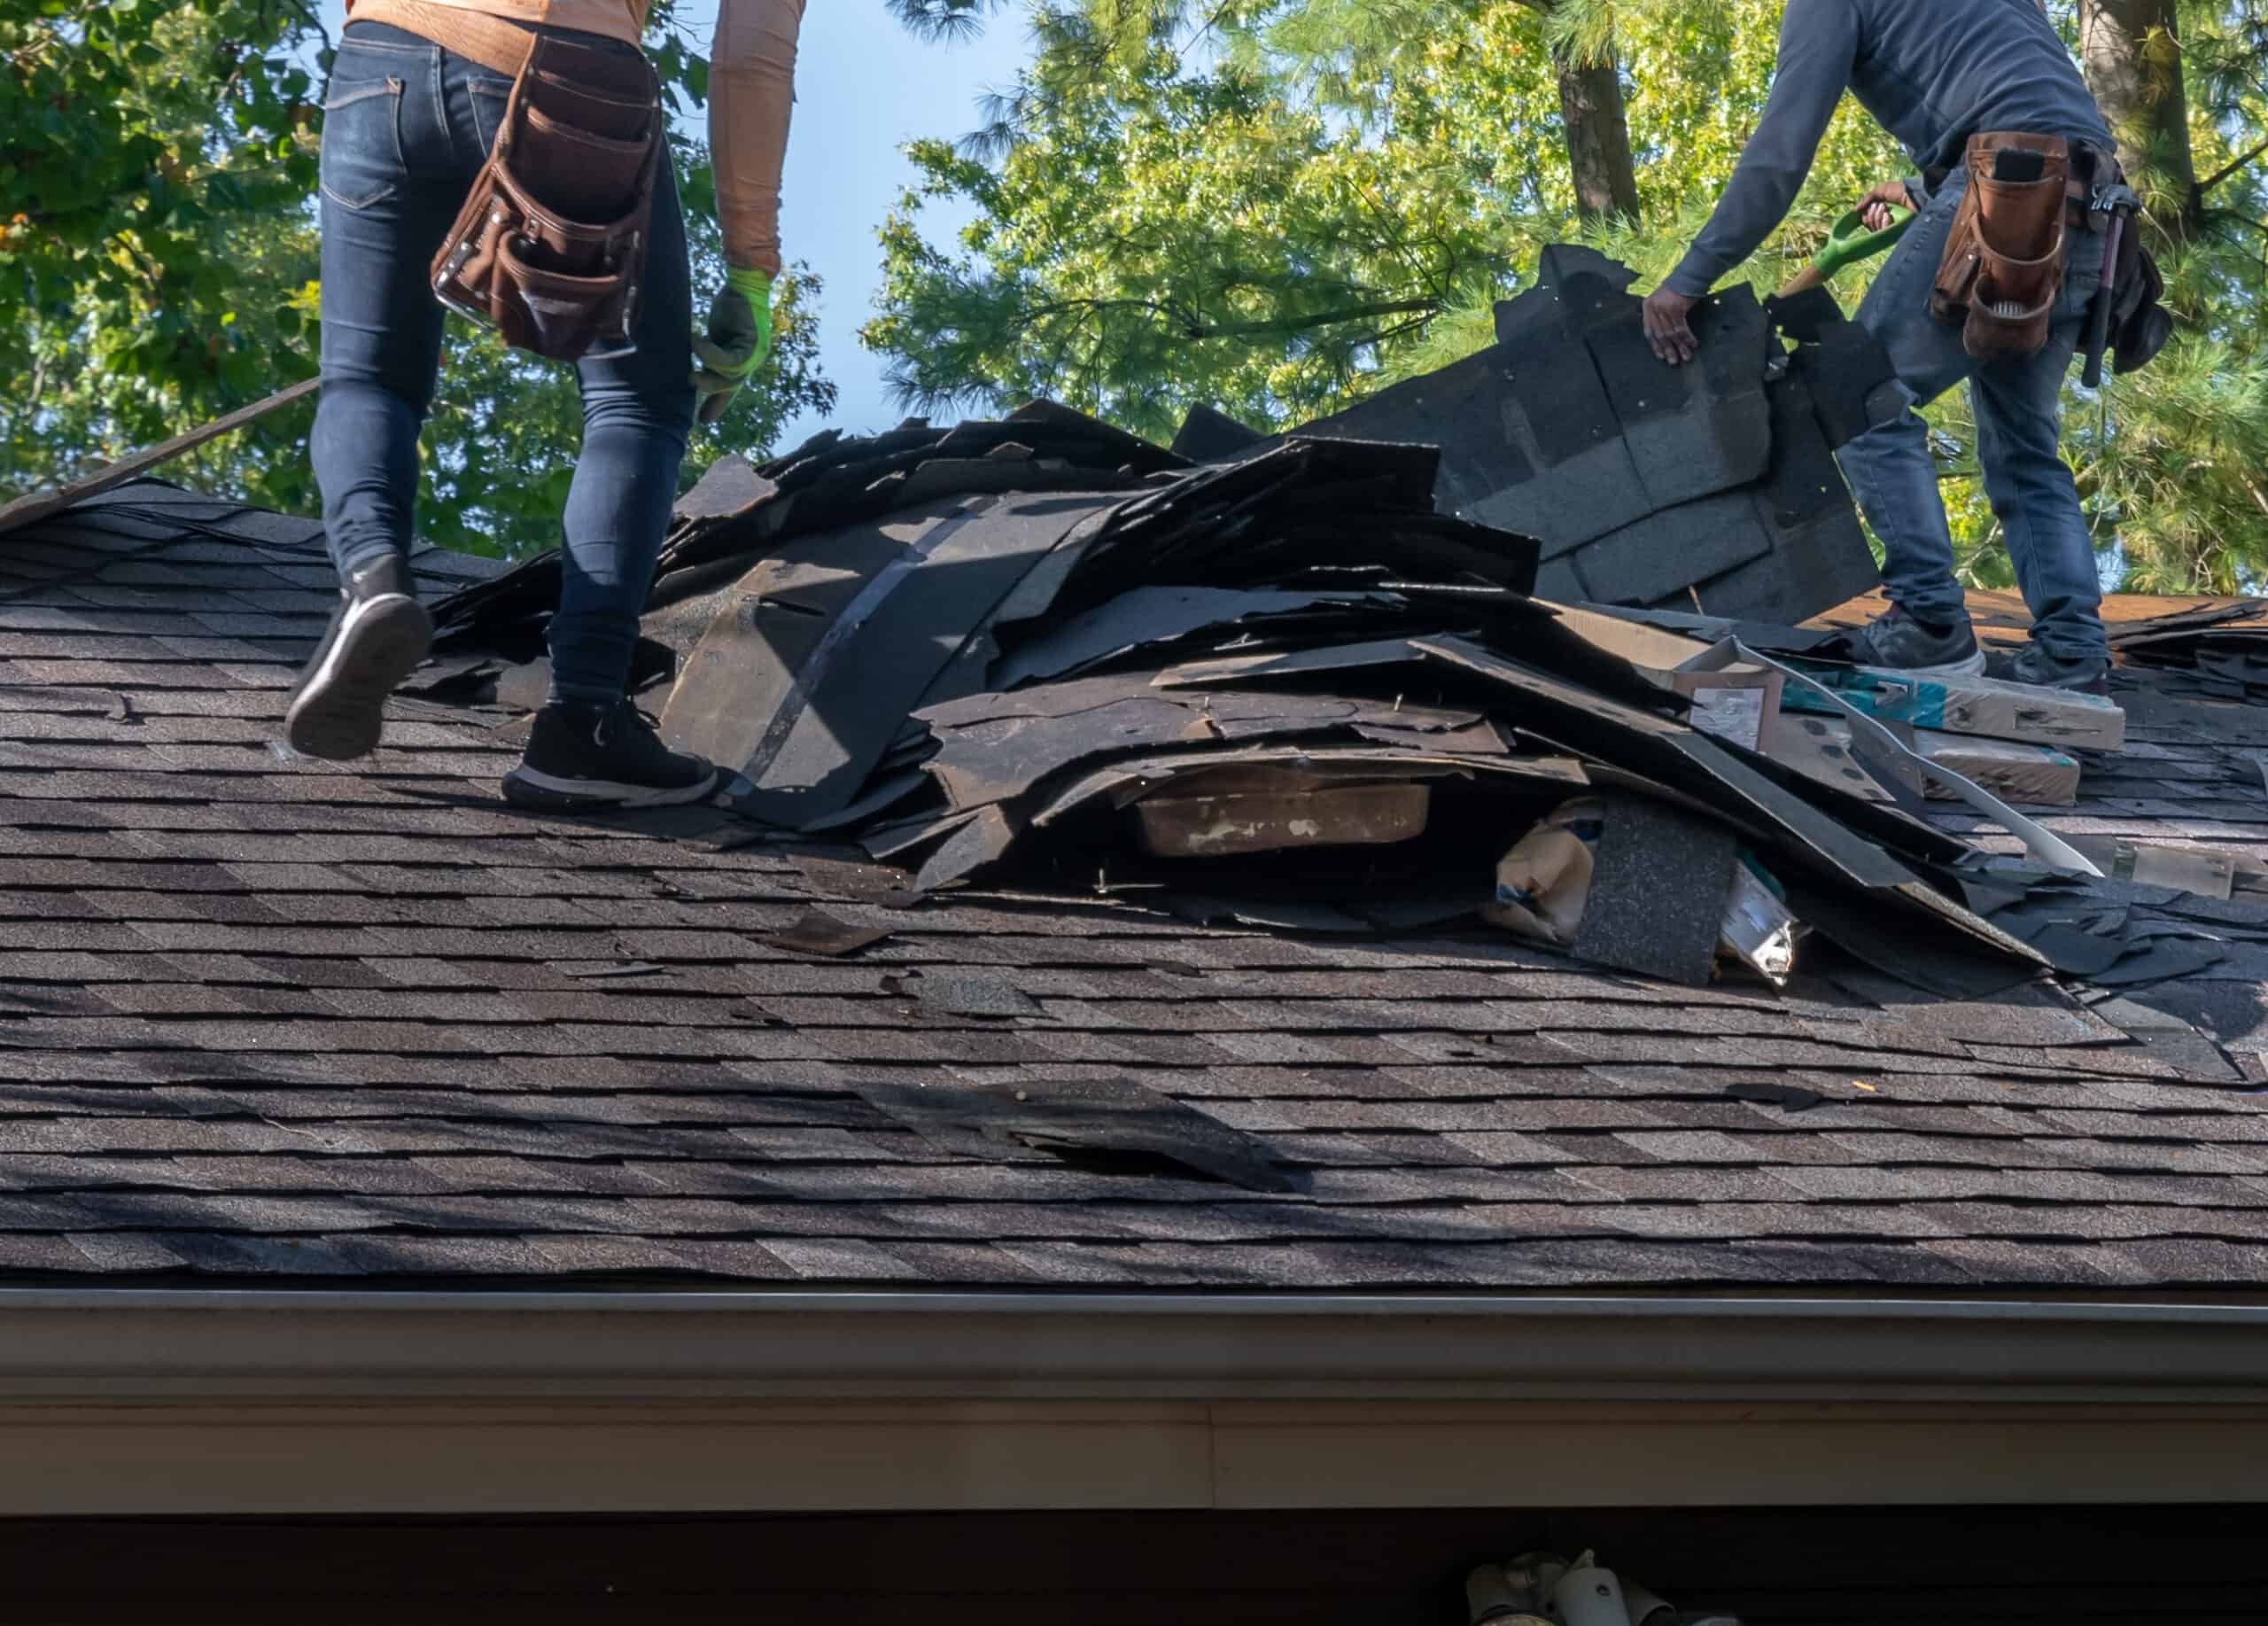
[865, 88]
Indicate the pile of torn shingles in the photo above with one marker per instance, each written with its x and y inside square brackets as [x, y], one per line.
[1711, 488]
[2219, 651]
[1281, 688]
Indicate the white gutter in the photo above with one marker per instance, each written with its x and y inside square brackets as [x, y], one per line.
[111, 1344]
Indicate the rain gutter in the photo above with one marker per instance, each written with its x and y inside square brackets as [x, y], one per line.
[123, 1344]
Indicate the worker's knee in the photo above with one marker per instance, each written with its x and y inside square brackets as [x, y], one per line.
[659, 424]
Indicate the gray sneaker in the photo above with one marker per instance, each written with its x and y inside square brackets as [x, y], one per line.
[377, 635]
[1896, 641]
[2090, 674]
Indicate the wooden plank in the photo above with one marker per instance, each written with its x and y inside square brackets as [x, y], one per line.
[2203, 872]
[2038, 774]
[1972, 705]
[46, 504]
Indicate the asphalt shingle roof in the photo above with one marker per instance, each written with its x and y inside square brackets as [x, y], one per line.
[263, 1018]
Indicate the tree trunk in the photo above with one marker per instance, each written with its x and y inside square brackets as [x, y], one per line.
[1599, 139]
[2132, 53]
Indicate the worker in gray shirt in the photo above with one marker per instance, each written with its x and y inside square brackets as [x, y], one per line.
[1933, 73]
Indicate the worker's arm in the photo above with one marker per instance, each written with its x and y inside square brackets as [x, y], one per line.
[752, 97]
[1818, 47]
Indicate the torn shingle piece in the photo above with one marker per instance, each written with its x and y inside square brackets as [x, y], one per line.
[638, 968]
[973, 996]
[817, 932]
[1156, 615]
[984, 839]
[1108, 1116]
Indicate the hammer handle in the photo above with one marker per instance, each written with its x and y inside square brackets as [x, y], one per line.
[2105, 296]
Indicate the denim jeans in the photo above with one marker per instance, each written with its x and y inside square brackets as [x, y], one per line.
[2018, 426]
[406, 127]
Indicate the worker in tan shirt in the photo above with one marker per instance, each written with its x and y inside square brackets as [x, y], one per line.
[417, 94]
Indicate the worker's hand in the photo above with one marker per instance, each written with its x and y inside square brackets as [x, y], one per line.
[1874, 207]
[1669, 326]
[739, 339]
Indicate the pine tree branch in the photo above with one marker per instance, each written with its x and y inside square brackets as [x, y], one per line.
[2227, 170]
[1279, 327]
[1284, 326]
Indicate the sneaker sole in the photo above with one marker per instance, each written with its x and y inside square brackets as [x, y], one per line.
[524, 787]
[1972, 666]
[338, 714]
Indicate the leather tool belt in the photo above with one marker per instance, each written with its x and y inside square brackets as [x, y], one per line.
[2004, 259]
[550, 246]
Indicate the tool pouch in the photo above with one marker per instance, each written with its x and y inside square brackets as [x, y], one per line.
[550, 245]
[2003, 266]
[2139, 323]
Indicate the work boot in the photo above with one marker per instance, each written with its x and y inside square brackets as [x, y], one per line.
[376, 636]
[582, 758]
[1896, 641]
[2090, 674]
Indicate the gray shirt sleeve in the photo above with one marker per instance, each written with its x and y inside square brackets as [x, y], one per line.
[1819, 46]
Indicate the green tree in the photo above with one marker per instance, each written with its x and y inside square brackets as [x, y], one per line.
[141, 147]
[158, 263]
[1280, 207]
[1286, 204]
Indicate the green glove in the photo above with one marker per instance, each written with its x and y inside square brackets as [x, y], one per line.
[739, 339]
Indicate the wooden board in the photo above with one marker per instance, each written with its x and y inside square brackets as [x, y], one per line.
[2203, 872]
[45, 504]
[1972, 705]
[2012, 770]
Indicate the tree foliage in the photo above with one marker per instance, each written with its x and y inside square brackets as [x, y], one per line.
[159, 266]
[1276, 206]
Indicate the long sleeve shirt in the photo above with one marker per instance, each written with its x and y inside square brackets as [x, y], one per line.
[751, 95]
[1933, 73]
[751, 86]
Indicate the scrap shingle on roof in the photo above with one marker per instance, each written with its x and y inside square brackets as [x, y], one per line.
[265, 1017]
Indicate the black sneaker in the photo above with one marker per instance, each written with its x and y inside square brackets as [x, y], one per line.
[2089, 674]
[1898, 641]
[585, 757]
[376, 636]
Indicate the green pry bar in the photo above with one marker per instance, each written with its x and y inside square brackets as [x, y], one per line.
[1851, 242]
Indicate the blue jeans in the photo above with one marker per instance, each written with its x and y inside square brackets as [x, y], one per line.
[406, 127]
[2018, 426]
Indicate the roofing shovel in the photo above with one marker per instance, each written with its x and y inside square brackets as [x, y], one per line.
[1847, 245]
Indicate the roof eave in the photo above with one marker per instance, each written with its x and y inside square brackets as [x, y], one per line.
[122, 1344]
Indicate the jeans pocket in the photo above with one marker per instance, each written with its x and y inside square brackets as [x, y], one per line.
[488, 98]
[2082, 275]
[362, 163]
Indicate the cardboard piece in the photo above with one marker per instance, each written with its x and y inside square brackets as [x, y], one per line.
[1287, 810]
[1733, 698]
[1126, 783]
[1543, 883]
